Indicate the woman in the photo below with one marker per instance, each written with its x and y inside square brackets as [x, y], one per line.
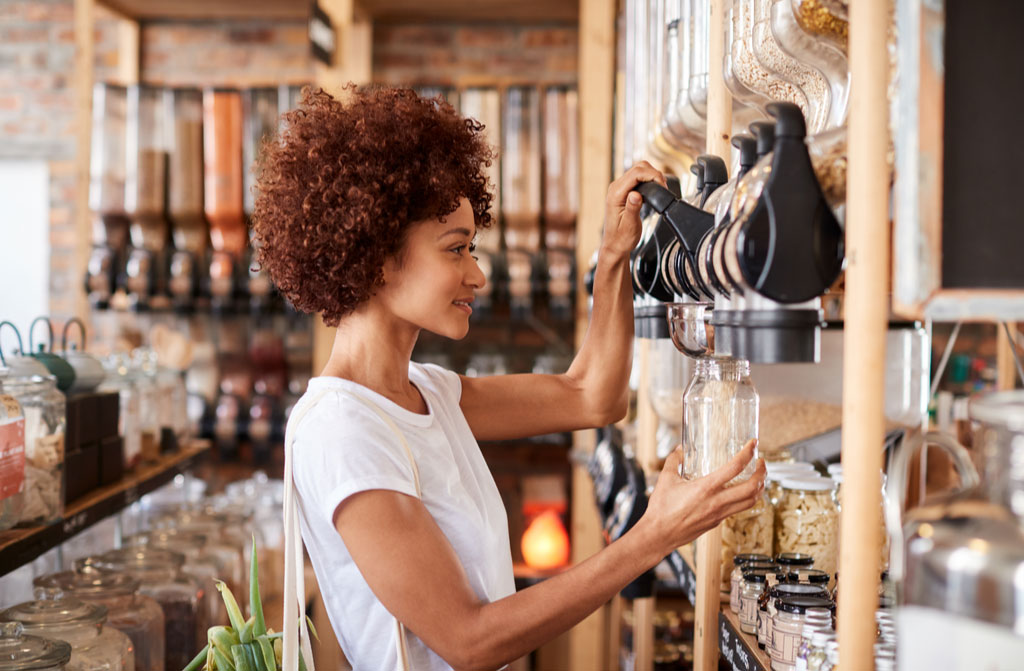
[367, 212]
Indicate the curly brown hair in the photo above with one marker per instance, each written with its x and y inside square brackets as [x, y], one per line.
[339, 187]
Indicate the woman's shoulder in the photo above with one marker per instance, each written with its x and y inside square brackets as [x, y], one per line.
[436, 379]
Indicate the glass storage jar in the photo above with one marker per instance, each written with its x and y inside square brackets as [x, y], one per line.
[720, 416]
[784, 590]
[747, 69]
[807, 521]
[776, 472]
[121, 380]
[754, 584]
[44, 410]
[12, 468]
[179, 595]
[749, 531]
[736, 576]
[80, 624]
[792, 613]
[228, 541]
[136, 615]
[21, 652]
[144, 376]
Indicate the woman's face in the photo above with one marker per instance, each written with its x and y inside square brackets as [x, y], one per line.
[433, 285]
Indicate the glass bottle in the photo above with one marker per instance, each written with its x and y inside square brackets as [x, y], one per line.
[811, 652]
[816, 653]
[143, 374]
[45, 419]
[136, 615]
[179, 595]
[80, 624]
[12, 441]
[807, 521]
[22, 652]
[720, 416]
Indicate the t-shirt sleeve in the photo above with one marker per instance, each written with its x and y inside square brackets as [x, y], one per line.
[447, 382]
[342, 448]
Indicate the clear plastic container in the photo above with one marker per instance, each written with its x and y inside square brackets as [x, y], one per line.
[748, 532]
[184, 111]
[825, 19]
[807, 521]
[80, 624]
[137, 616]
[179, 595]
[12, 471]
[22, 652]
[45, 419]
[680, 125]
[809, 80]
[107, 161]
[720, 416]
[745, 67]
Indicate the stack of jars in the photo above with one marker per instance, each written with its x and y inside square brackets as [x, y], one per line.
[180, 596]
[136, 615]
[80, 624]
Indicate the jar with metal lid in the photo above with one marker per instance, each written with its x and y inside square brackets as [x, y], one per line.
[776, 472]
[788, 623]
[80, 624]
[136, 615]
[810, 576]
[736, 576]
[783, 590]
[807, 521]
[754, 584]
[206, 567]
[22, 652]
[720, 416]
[749, 531]
[44, 409]
[12, 469]
[794, 560]
[179, 595]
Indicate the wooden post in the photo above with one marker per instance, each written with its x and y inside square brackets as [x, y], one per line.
[84, 55]
[596, 86]
[643, 634]
[709, 546]
[1006, 365]
[867, 255]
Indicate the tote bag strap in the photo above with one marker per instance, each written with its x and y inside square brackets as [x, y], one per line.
[294, 582]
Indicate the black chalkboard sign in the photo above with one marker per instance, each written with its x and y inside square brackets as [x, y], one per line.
[983, 140]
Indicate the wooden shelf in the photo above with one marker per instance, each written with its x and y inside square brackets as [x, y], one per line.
[737, 648]
[20, 546]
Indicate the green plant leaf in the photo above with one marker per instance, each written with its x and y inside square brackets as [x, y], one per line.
[223, 663]
[312, 629]
[255, 604]
[267, 651]
[234, 612]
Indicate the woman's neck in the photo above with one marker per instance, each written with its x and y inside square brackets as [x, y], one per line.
[375, 352]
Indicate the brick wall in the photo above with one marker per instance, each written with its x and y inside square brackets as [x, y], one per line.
[37, 52]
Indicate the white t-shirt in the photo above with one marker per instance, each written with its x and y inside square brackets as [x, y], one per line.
[342, 447]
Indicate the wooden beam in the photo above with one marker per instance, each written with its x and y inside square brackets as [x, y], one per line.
[1006, 364]
[84, 55]
[596, 87]
[643, 633]
[867, 308]
[709, 545]
[128, 51]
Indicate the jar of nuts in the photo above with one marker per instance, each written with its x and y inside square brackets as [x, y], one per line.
[807, 520]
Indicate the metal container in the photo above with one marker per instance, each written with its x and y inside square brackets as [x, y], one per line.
[957, 561]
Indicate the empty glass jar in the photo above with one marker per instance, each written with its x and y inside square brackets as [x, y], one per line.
[720, 416]
[80, 624]
[137, 616]
[21, 652]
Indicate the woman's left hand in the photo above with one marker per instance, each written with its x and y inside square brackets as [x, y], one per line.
[622, 208]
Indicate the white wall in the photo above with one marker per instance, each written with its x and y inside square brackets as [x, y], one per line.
[24, 245]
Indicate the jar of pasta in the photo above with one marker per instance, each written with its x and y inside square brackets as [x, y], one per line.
[746, 532]
[736, 576]
[776, 472]
[807, 521]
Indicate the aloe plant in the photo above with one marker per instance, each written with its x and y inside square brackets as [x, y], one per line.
[243, 645]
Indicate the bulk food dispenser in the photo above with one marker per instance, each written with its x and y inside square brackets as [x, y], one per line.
[260, 109]
[185, 196]
[222, 168]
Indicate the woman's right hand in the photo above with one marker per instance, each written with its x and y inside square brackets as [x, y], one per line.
[681, 510]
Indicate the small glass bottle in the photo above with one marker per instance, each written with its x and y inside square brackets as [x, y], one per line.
[137, 616]
[816, 649]
[21, 652]
[754, 583]
[720, 416]
[80, 624]
[736, 576]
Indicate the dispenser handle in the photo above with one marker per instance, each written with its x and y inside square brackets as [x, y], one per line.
[747, 146]
[896, 487]
[64, 335]
[715, 170]
[789, 119]
[657, 196]
[31, 328]
[698, 170]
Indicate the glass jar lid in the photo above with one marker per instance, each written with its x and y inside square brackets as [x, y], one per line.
[55, 611]
[750, 558]
[167, 538]
[135, 558]
[809, 484]
[810, 575]
[755, 576]
[787, 589]
[800, 604]
[761, 566]
[89, 583]
[794, 559]
[19, 652]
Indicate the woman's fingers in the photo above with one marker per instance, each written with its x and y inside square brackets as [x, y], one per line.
[725, 474]
[641, 172]
[673, 463]
[749, 489]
